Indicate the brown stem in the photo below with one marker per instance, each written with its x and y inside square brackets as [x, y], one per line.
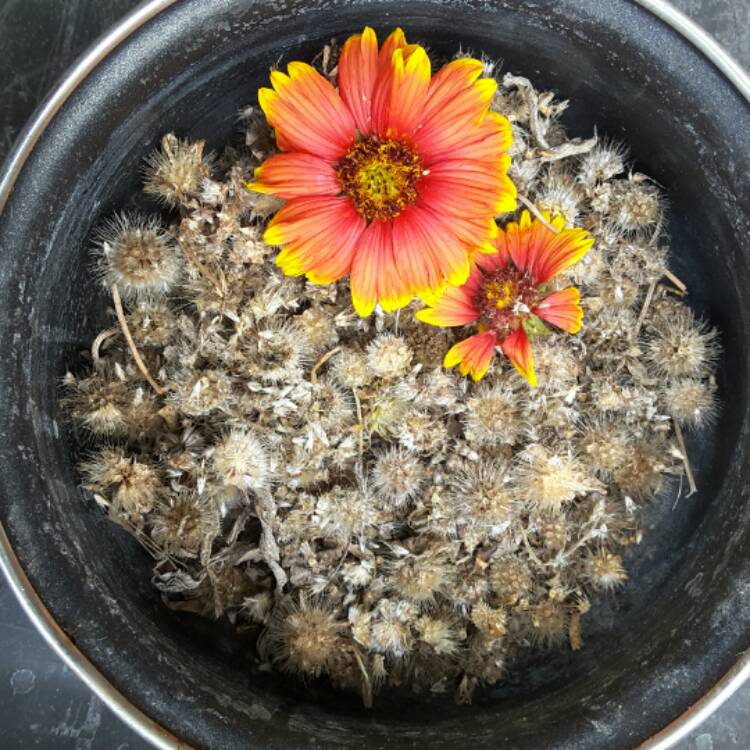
[321, 362]
[644, 310]
[360, 423]
[202, 270]
[133, 349]
[688, 469]
[534, 210]
[677, 282]
[97, 344]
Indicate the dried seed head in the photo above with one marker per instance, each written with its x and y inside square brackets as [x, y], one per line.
[641, 477]
[635, 206]
[605, 571]
[390, 632]
[423, 433]
[343, 514]
[605, 444]
[152, 323]
[275, 352]
[511, 579]
[561, 197]
[680, 345]
[175, 172]
[603, 162]
[330, 407]
[349, 368]
[202, 393]
[440, 633]
[317, 328]
[691, 402]
[100, 405]
[133, 487]
[557, 365]
[550, 479]
[483, 495]
[177, 525]
[138, 256]
[239, 459]
[397, 476]
[389, 356]
[386, 413]
[490, 621]
[303, 637]
[493, 415]
[548, 623]
[419, 577]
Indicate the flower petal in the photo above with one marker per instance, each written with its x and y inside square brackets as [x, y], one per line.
[307, 113]
[517, 348]
[358, 69]
[455, 306]
[537, 249]
[410, 83]
[472, 355]
[320, 236]
[295, 175]
[375, 277]
[562, 309]
[456, 105]
[383, 90]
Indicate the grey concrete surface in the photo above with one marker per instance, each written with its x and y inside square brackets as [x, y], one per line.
[42, 704]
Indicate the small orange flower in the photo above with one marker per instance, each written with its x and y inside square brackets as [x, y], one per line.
[395, 178]
[504, 296]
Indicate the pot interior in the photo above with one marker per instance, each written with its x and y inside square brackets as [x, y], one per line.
[651, 651]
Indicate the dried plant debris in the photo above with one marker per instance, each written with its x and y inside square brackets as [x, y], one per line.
[321, 480]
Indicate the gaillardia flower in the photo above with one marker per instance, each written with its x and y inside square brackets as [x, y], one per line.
[395, 178]
[504, 296]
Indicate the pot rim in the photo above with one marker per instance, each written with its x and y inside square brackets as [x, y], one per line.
[11, 566]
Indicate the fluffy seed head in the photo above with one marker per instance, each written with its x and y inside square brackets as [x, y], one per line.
[641, 477]
[389, 356]
[548, 622]
[439, 633]
[275, 353]
[331, 407]
[510, 578]
[680, 345]
[239, 459]
[603, 162]
[606, 446]
[177, 525]
[493, 415]
[349, 368]
[134, 487]
[391, 632]
[490, 621]
[691, 402]
[635, 206]
[419, 577]
[152, 323]
[605, 571]
[304, 637]
[138, 256]
[386, 413]
[203, 393]
[550, 479]
[317, 328]
[343, 514]
[423, 433]
[483, 494]
[100, 405]
[175, 172]
[397, 476]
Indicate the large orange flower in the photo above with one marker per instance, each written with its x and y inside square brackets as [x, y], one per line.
[504, 295]
[395, 178]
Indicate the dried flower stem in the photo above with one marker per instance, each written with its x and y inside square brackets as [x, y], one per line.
[534, 210]
[683, 451]
[97, 344]
[321, 362]
[265, 509]
[360, 424]
[366, 682]
[202, 270]
[133, 349]
[677, 282]
[644, 310]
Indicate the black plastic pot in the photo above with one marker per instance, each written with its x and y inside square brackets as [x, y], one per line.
[189, 66]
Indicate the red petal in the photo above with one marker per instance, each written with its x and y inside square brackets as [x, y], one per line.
[455, 306]
[374, 275]
[517, 348]
[472, 355]
[358, 69]
[320, 236]
[410, 82]
[562, 309]
[383, 90]
[295, 175]
[307, 113]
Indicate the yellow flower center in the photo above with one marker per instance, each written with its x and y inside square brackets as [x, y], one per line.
[380, 176]
[505, 298]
